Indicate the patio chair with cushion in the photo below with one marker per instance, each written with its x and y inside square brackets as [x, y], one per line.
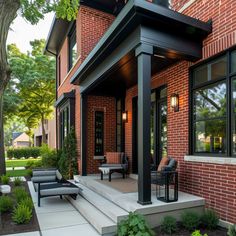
[166, 173]
[49, 182]
[114, 162]
[45, 175]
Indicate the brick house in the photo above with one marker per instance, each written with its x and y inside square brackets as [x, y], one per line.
[182, 64]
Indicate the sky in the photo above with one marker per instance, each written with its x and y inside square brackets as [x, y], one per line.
[22, 32]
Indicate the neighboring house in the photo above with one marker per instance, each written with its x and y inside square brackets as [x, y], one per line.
[146, 62]
[20, 139]
[50, 130]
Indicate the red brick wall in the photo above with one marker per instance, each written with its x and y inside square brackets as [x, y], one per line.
[91, 24]
[216, 183]
[108, 106]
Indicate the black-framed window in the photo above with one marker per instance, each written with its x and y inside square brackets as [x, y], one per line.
[119, 125]
[99, 133]
[64, 122]
[213, 92]
[59, 71]
[72, 47]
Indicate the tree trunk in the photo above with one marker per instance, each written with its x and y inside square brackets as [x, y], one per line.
[44, 140]
[2, 150]
[8, 11]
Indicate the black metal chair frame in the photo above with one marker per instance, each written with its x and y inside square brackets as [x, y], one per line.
[166, 178]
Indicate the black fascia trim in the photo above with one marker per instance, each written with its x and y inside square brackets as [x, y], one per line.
[64, 97]
[131, 16]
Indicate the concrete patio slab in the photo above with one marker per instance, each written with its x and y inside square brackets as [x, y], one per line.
[58, 217]
[59, 220]
[84, 229]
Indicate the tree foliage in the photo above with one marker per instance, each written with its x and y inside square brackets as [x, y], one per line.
[32, 11]
[35, 86]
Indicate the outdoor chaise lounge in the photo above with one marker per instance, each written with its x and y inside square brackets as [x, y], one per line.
[49, 182]
[114, 162]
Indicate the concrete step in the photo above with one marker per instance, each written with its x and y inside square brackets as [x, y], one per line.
[107, 207]
[103, 224]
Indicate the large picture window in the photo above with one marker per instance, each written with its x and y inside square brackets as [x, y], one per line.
[213, 95]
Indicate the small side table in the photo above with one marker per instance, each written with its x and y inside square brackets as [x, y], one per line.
[110, 170]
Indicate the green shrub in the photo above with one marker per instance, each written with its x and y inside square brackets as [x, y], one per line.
[22, 214]
[23, 152]
[232, 230]
[5, 179]
[198, 233]
[169, 225]
[27, 202]
[20, 194]
[29, 173]
[68, 163]
[6, 204]
[134, 225]
[210, 219]
[190, 220]
[17, 181]
[49, 157]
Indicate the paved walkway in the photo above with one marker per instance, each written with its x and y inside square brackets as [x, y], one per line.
[58, 218]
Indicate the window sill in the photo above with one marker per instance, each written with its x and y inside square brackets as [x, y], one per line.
[211, 160]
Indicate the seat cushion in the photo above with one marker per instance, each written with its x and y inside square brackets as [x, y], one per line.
[164, 162]
[43, 178]
[113, 157]
[59, 191]
[44, 173]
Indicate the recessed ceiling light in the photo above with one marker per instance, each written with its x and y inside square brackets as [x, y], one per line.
[160, 56]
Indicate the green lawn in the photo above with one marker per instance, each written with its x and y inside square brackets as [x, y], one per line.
[18, 163]
[15, 173]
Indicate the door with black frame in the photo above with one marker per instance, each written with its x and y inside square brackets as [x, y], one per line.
[158, 128]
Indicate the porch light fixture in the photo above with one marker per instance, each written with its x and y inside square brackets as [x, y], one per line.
[125, 116]
[174, 102]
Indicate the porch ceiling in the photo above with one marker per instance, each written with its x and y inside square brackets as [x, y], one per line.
[112, 64]
[124, 75]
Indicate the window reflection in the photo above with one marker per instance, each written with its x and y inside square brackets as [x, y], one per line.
[210, 119]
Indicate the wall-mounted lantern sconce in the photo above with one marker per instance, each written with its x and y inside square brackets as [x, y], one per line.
[174, 102]
[125, 116]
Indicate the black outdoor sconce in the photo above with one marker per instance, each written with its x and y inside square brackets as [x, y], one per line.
[174, 102]
[125, 116]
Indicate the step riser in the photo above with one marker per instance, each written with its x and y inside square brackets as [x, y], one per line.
[106, 211]
[81, 207]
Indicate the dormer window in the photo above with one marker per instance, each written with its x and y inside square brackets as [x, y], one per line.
[72, 47]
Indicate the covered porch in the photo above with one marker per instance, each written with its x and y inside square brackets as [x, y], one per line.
[104, 206]
[144, 39]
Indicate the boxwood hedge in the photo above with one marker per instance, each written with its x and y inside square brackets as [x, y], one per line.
[18, 153]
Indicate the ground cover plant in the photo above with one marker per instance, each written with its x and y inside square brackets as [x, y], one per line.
[135, 224]
[193, 224]
[17, 213]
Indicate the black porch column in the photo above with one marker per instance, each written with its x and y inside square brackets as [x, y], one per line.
[83, 133]
[143, 54]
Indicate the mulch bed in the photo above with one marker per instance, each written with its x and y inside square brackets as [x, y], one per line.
[182, 232]
[7, 226]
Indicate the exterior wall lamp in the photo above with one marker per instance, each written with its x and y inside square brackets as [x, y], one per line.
[125, 116]
[174, 102]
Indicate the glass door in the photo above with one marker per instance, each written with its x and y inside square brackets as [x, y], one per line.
[158, 128]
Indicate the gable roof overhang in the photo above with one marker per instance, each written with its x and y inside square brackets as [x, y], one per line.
[174, 36]
[60, 28]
